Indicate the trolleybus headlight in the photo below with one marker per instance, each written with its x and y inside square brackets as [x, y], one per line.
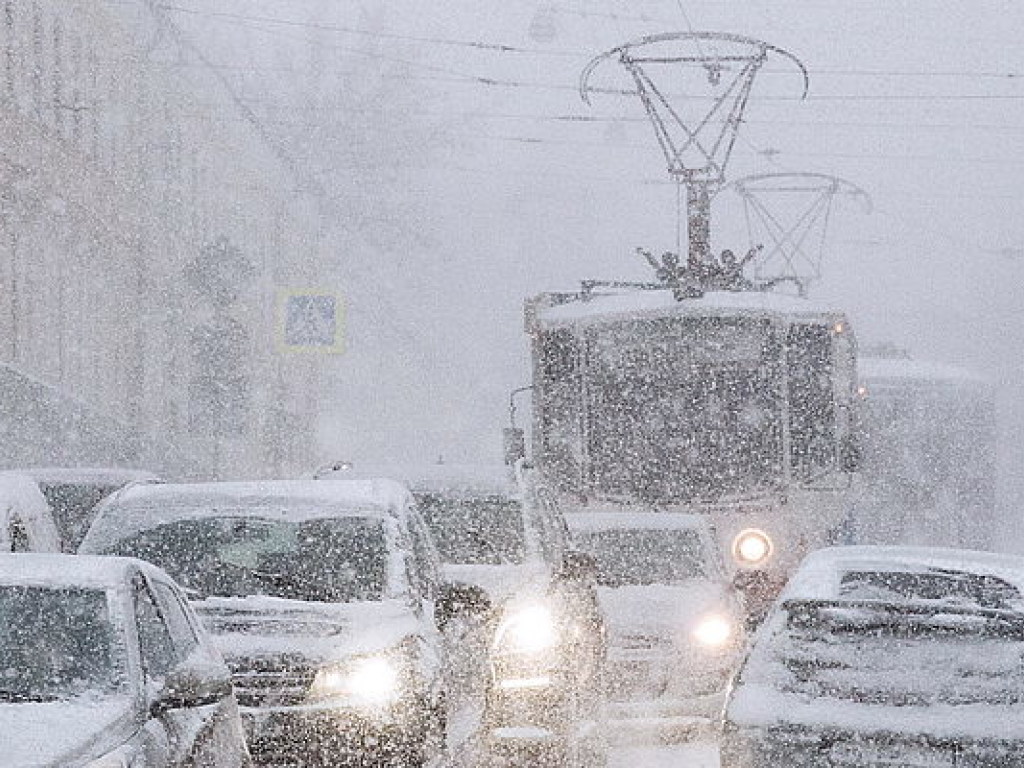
[713, 631]
[751, 547]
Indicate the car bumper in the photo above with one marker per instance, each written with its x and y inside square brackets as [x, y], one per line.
[326, 735]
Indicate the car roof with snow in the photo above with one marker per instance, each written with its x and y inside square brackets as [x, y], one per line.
[645, 304]
[848, 573]
[462, 479]
[89, 475]
[140, 507]
[601, 521]
[57, 571]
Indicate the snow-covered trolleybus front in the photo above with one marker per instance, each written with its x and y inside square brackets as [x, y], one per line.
[736, 404]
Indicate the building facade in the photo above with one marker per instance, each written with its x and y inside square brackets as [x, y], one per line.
[129, 174]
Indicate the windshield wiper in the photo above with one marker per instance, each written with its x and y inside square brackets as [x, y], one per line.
[25, 697]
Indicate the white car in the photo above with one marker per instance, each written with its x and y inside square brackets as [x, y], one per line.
[675, 625]
[103, 664]
[886, 656]
[323, 600]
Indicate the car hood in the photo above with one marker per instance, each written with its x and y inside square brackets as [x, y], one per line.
[659, 611]
[267, 626]
[64, 733]
[502, 582]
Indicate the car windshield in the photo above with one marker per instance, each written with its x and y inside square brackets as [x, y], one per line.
[909, 654]
[342, 559]
[57, 643]
[475, 530]
[73, 505]
[635, 556]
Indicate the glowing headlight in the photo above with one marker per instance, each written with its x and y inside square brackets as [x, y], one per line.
[528, 630]
[751, 547]
[372, 681]
[713, 631]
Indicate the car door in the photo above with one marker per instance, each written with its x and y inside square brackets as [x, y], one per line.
[208, 731]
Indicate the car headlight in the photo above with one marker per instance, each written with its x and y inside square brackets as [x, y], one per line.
[531, 629]
[714, 631]
[752, 547]
[371, 681]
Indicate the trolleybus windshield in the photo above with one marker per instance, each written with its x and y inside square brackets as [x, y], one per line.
[685, 408]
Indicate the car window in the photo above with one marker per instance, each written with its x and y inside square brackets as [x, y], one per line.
[180, 626]
[871, 652]
[59, 643]
[475, 529]
[343, 559]
[155, 643]
[639, 556]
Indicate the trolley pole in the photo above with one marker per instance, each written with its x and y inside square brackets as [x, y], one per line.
[698, 221]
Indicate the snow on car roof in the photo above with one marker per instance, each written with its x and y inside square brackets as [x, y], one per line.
[658, 303]
[599, 521]
[460, 478]
[139, 507]
[820, 575]
[875, 370]
[56, 570]
[88, 475]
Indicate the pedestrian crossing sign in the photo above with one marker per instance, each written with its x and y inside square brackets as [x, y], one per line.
[310, 321]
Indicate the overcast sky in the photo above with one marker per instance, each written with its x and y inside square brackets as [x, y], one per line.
[492, 194]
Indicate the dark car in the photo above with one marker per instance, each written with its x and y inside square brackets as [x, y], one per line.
[103, 664]
[324, 601]
[74, 493]
[496, 528]
[883, 656]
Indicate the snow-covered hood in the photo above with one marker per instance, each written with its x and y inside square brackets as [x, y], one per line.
[661, 612]
[503, 582]
[65, 733]
[268, 626]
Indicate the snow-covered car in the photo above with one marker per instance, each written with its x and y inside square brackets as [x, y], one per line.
[883, 656]
[26, 520]
[497, 529]
[103, 664]
[675, 625]
[74, 493]
[328, 612]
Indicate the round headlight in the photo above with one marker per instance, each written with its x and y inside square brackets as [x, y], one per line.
[713, 631]
[369, 681]
[528, 630]
[751, 547]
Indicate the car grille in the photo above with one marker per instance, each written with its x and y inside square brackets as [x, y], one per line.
[272, 682]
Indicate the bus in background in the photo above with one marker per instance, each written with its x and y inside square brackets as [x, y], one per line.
[929, 469]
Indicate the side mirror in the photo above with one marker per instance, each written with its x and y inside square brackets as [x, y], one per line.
[514, 440]
[457, 599]
[192, 684]
[578, 566]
